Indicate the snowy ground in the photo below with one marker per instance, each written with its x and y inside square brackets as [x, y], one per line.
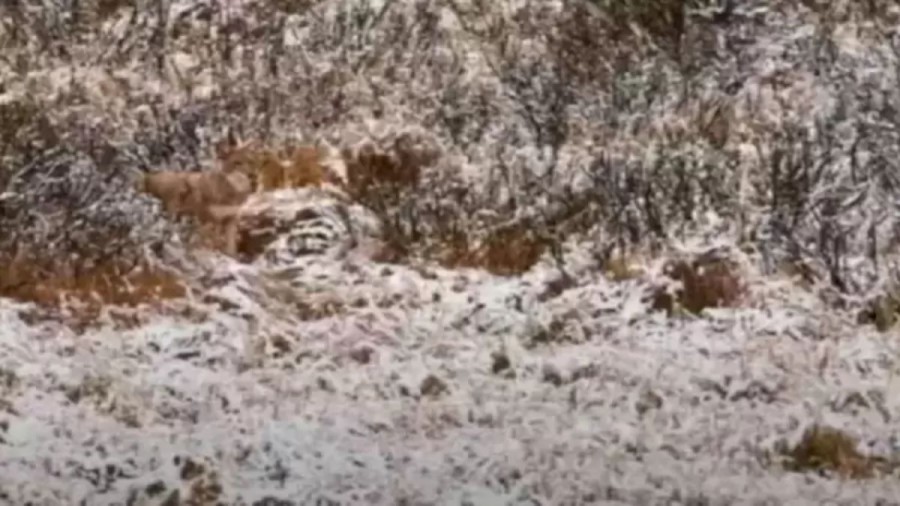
[401, 396]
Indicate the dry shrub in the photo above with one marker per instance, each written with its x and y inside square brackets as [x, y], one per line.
[800, 272]
[506, 252]
[302, 306]
[19, 121]
[825, 449]
[200, 483]
[580, 45]
[390, 252]
[881, 311]
[86, 291]
[389, 176]
[293, 6]
[590, 43]
[372, 173]
[454, 250]
[663, 21]
[108, 8]
[255, 233]
[706, 282]
[390, 166]
[714, 121]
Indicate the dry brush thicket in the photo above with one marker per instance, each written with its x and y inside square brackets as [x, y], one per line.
[483, 134]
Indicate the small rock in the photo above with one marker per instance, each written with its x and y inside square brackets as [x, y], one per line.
[281, 344]
[647, 401]
[155, 488]
[432, 386]
[500, 363]
[362, 354]
[272, 501]
[552, 375]
[325, 384]
[173, 499]
[191, 470]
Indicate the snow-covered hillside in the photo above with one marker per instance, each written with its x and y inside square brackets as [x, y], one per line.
[441, 387]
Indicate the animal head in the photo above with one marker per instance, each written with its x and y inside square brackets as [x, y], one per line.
[305, 165]
[262, 166]
[239, 156]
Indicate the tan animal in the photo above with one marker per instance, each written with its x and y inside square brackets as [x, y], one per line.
[270, 170]
[261, 166]
[306, 168]
[212, 197]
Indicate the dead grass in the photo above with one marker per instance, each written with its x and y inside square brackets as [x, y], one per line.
[705, 283]
[306, 307]
[665, 21]
[507, 252]
[589, 40]
[85, 292]
[17, 118]
[389, 252]
[255, 233]
[107, 8]
[293, 6]
[825, 449]
[881, 311]
[801, 273]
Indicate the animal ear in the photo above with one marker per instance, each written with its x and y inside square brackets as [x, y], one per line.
[225, 146]
[232, 138]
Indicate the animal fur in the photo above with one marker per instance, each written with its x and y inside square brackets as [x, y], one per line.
[299, 167]
[213, 197]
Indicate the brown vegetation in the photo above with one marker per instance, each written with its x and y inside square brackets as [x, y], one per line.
[369, 170]
[387, 176]
[506, 252]
[881, 311]
[825, 449]
[85, 291]
[705, 281]
[107, 8]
